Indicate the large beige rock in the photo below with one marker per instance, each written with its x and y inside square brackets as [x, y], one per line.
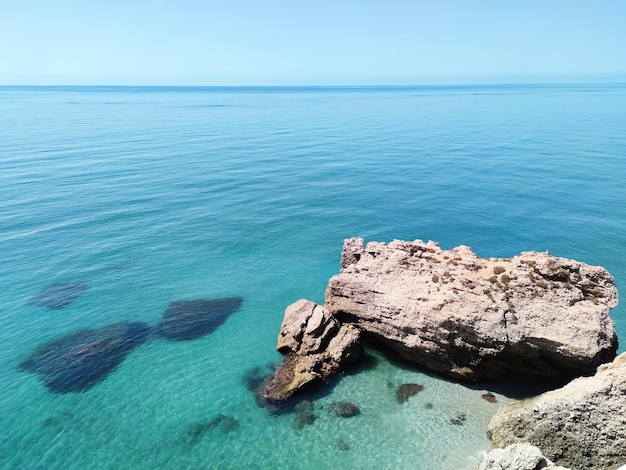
[472, 318]
[316, 348]
[581, 426]
[517, 457]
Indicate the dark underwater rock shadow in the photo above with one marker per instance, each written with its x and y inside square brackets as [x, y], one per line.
[343, 409]
[406, 391]
[78, 361]
[254, 377]
[224, 423]
[303, 415]
[191, 319]
[58, 295]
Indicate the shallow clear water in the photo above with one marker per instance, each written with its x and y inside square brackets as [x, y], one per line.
[151, 195]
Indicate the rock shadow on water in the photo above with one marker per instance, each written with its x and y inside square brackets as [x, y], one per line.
[58, 295]
[221, 422]
[80, 360]
[192, 319]
[519, 386]
[512, 385]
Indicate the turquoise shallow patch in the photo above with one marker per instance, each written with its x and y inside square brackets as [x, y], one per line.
[152, 196]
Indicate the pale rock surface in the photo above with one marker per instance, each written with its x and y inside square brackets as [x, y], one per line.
[473, 318]
[521, 456]
[581, 426]
[316, 347]
[307, 328]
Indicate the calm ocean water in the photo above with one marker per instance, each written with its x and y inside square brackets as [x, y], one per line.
[144, 196]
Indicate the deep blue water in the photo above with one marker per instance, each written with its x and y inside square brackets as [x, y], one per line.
[153, 195]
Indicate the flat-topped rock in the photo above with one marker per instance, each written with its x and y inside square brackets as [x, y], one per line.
[580, 426]
[472, 318]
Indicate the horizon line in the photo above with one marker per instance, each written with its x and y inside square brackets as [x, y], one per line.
[418, 85]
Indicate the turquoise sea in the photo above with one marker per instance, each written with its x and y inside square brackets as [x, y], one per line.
[134, 197]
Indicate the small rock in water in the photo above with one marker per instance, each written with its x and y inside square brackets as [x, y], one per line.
[343, 445]
[78, 361]
[343, 409]
[58, 295]
[406, 391]
[429, 406]
[304, 415]
[490, 397]
[459, 419]
[192, 319]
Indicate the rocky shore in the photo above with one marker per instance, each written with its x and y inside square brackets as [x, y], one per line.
[580, 426]
[470, 319]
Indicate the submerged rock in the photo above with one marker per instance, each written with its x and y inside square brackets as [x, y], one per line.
[471, 318]
[490, 397]
[78, 361]
[406, 391]
[304, 415]
[343, 445]
[224, 423]
[254, 376]
[580, 426]
[192, 319]
[58, 295]
[316, 349]
[343, 409]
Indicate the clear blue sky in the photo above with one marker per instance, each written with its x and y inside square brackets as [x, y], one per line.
[298, 42]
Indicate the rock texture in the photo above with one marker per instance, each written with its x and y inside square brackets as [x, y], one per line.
[517, 457]
[473, 318]
[316, 347]
[581, 426]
